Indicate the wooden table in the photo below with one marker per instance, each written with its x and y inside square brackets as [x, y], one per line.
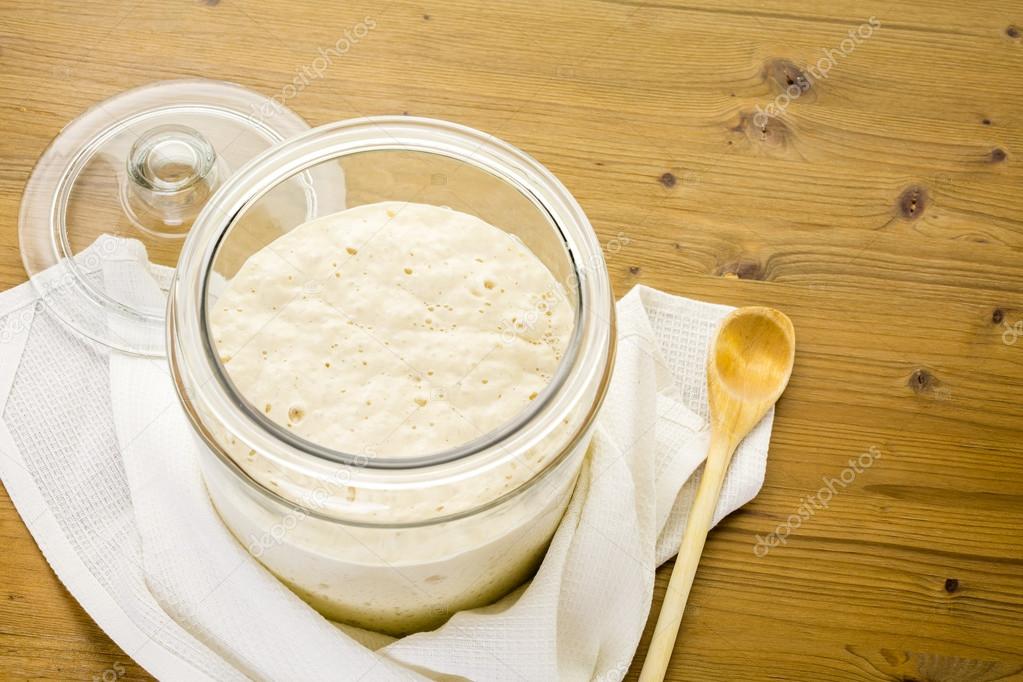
[880, 207]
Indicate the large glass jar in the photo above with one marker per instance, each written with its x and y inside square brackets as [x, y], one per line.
[393, 544]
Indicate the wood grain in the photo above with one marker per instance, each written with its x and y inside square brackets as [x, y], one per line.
[881, 210]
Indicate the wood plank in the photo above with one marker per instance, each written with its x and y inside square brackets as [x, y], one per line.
[881, 210]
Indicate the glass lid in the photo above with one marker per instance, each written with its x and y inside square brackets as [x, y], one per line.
[106, 209]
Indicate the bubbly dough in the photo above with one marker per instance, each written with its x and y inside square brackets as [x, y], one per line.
[392, 329]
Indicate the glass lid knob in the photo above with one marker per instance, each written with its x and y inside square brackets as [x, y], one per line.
[171, 172]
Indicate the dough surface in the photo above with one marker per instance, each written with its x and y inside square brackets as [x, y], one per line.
[392, 329]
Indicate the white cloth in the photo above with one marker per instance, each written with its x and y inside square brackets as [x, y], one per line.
[98, 458]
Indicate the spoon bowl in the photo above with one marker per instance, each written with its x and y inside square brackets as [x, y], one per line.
[749, 367]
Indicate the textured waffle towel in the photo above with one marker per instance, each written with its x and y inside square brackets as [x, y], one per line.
[99, 460]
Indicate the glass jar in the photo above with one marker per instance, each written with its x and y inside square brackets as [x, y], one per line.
[386, 543]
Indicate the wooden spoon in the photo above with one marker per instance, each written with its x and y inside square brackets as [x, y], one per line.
[748, 368]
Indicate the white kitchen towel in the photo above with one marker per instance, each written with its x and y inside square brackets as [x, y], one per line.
[98, 458]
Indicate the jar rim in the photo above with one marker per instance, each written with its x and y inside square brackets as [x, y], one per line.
[590, 348]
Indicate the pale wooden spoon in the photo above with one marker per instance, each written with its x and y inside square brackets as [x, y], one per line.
[747, 370]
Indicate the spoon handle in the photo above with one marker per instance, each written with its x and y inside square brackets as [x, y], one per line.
[697, 526]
